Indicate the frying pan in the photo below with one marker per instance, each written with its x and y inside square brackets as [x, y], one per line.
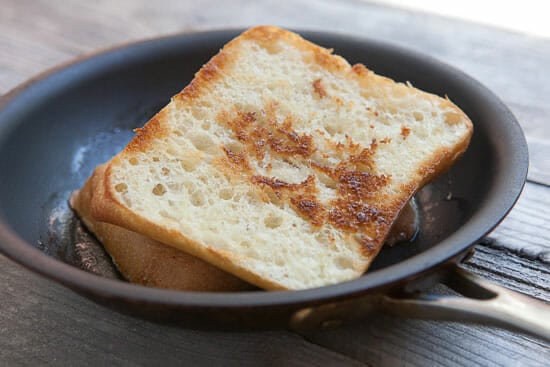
[57, 127]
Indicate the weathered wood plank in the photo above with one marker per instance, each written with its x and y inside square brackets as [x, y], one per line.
[46, 324]
[539, 157]
[515, 271]
[526, 229]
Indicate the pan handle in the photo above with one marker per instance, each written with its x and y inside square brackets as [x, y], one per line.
[483, 302]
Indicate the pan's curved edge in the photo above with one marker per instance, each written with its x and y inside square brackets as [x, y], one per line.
[28, 256]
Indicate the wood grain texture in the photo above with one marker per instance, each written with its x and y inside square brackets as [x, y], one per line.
[43, 323]
[526, 230]
[539, 157]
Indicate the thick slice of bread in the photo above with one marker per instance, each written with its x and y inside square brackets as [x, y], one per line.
[148, 262]
[281, 163]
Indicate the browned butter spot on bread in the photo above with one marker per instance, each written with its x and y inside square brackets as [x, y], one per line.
[368, 246]
[302, 196]
[260, 136]
[286, 141]
[310, 208]
[405, 131]
[238, 160]
[319, 88]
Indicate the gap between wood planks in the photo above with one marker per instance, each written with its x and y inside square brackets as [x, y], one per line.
[525, 231]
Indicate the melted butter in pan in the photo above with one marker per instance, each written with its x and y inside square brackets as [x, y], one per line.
[406, 226]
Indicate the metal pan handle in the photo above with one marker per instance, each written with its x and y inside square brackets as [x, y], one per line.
[483, 302]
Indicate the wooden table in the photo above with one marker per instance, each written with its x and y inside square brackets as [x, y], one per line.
[42, 323]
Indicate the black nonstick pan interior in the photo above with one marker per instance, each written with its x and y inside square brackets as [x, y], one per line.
[54, 130]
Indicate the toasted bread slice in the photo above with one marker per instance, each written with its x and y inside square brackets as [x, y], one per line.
[148, 262]
[145, 261]
[281, 163]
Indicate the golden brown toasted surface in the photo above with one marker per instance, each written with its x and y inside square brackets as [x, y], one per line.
[144, 261]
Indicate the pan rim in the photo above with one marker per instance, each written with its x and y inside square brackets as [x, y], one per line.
[25, 254]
